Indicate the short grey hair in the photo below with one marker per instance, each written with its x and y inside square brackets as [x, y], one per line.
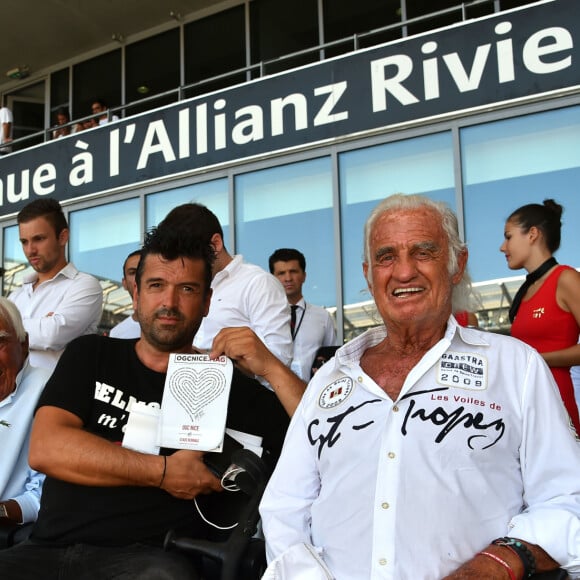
[10, 316]
[401, 202]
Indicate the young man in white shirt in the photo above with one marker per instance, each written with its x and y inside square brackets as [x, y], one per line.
[57, 302]
[243, 294]
[311, 326]
[129, 328]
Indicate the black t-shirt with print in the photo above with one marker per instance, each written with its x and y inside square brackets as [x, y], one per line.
[95, 380]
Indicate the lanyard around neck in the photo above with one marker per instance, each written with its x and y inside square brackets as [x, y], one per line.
[294, 331]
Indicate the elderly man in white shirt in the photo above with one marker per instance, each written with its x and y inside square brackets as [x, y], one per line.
[424, 449]
[242, 294]
[20, 387]
[311, 326]
[57, 302]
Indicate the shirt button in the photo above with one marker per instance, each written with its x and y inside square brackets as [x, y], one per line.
[360, 379]
[385, 505]
[383, 562]
[395, 409]
[391, 455]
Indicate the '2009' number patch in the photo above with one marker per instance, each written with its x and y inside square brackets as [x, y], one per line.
[463, 370]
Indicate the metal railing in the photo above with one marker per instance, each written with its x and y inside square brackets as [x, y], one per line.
[260, 69]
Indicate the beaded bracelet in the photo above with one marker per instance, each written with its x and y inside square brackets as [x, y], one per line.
[502, 562]
[522, 551]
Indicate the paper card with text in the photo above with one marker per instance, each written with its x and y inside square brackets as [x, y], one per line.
[195, 402]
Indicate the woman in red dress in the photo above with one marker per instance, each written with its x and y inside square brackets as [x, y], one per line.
[546, 310]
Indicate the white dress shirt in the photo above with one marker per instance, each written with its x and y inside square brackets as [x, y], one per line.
[75, 300]
[477, 446]
[17, 480]
[314, 328]
[128, 328]
[246, 295]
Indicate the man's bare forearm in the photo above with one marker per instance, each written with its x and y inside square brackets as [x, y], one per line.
[62, 449]
[493, 562]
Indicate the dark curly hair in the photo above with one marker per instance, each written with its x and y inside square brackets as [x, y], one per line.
[168, 243]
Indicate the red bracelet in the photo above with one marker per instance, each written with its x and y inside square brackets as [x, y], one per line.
[502, 562]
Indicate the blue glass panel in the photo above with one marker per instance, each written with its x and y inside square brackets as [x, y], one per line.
[422, 165]
[513, 162]
[101, 238]
[290, 207]
[213, 194]
[12, 246]
[14, 262]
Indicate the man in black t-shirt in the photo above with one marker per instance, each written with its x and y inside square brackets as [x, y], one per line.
[105, 508]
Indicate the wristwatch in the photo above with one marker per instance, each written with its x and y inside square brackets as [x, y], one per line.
[3, 511]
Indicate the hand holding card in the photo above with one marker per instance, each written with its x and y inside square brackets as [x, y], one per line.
[195, 402]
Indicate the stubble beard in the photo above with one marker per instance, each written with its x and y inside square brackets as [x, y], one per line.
[42, 266]
[166, 339]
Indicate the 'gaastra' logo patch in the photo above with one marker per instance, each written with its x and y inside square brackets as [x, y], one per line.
[463, 370]
[335, 393]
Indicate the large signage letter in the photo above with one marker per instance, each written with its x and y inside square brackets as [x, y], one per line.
[463, 80]
[277, 106]
[536, 47]
[325, 115]
[156, 132]
[380, 85]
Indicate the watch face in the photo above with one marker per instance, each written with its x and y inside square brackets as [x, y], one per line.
[3, 512]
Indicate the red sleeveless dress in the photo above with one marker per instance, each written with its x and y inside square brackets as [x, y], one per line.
[541, 323]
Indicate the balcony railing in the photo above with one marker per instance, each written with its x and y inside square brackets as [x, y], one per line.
[257, 70]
